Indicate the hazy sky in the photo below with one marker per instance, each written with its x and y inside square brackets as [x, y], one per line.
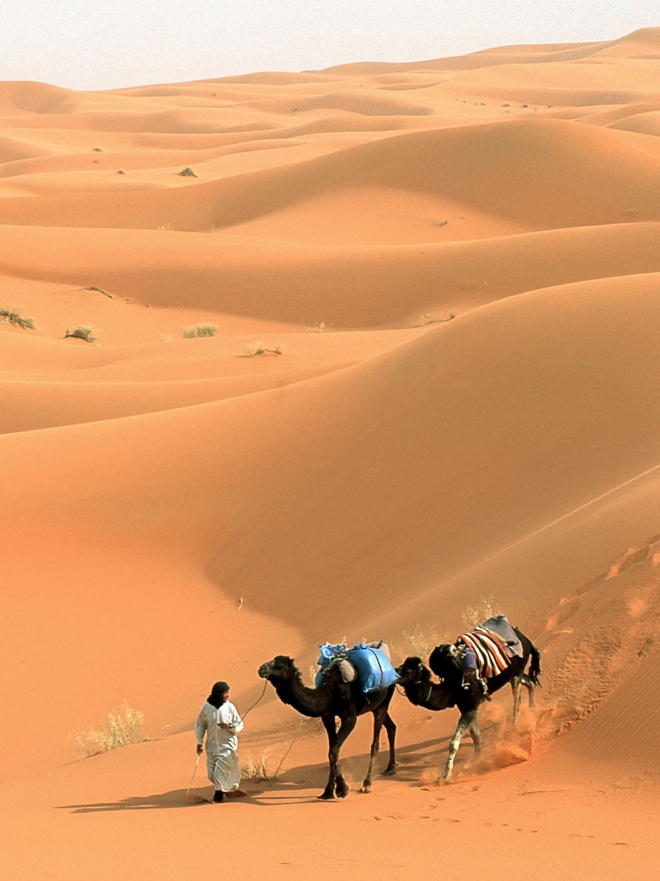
[91, 44]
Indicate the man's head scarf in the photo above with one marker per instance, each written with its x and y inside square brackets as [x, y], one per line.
[217, 696]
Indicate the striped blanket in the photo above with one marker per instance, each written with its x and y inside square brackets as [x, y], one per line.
[489, 651]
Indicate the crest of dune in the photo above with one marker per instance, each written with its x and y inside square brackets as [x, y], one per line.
[338, 355]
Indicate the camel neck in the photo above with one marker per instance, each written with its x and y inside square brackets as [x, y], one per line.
[311, 702]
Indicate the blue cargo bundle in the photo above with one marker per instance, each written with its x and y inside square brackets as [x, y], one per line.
[373, 666]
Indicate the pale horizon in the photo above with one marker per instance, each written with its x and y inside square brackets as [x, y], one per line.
[88, 47]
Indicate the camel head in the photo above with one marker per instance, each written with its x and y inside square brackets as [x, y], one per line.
[281, 667]
[412, 672]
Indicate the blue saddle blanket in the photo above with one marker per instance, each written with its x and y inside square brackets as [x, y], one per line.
[374, 668]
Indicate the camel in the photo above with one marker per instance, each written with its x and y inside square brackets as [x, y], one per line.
[334, 698]
[419, 688]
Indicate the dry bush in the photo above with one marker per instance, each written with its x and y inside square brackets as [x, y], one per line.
[475, 615]
[124, 726]
[82, 333]
[187, 172]
[419, 644]
[256, 768]
[253, 349]
[13, 316]
[435, 318]
[319, 327]
[200, 330]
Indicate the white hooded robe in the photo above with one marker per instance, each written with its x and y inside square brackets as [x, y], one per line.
[222, 765]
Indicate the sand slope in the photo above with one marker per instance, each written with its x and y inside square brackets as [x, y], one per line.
[369, 348]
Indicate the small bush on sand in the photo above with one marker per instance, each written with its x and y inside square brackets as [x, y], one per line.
[319, 327]
[124, 726]
[256, 768]
[82, 333]
[475, 615]
[187, 172]
[418, 643]
[435, 318]
[199, 330]
[13, 316]
[253, 349]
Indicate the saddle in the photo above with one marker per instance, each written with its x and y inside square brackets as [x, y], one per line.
[489, 651]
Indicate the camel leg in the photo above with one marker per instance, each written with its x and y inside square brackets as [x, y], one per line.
[330, 725]
[381, 717]
[530, 686]
[475, 734]
[464, 723]
[517, 698]
[336, 782]
[390, 727]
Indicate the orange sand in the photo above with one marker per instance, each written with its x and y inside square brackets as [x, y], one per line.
[454, 269]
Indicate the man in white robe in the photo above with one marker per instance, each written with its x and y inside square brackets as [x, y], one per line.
[219, 721]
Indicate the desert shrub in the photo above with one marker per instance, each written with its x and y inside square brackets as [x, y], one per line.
[253, 349]
[199, 330]
[82, 333]
[256, 768]
[187, 172]
[319, 327]
[475, 615]
[435, 318]
[13, 316]
[417, 642]
[124, 726]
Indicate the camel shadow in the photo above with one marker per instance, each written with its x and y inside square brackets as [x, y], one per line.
[291, 787]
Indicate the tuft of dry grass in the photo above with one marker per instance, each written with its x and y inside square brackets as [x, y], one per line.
[434, 318]
[475, 615]
[124, 726]
[13, 316]
[200, 330]
[82, 332]
[187, 172]
[256, 768]
[419, 644]
[254, 349]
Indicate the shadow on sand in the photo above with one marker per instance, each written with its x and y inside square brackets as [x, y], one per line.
[291, 787]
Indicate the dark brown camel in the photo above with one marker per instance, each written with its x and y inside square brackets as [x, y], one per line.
[334, 698]
[419, 688]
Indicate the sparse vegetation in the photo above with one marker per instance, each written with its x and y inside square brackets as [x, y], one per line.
[200, 330]
[82, 333]
[435, 318]
[475, 615]
[13, 316]
[319, 327]
[187, 172]
[420, 644]
[253, 349]
[256, 769]
[124, 726]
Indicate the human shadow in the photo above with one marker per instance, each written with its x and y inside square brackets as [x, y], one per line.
[290, 787]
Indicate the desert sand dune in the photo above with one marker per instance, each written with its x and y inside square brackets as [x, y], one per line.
[342, 287]
[383, 361]
[547, 173]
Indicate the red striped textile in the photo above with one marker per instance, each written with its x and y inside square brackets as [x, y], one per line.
[488, 650]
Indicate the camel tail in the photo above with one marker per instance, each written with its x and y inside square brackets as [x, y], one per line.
[535, 665]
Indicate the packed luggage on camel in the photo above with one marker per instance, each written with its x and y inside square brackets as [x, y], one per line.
[476, 665]
[350, 683]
